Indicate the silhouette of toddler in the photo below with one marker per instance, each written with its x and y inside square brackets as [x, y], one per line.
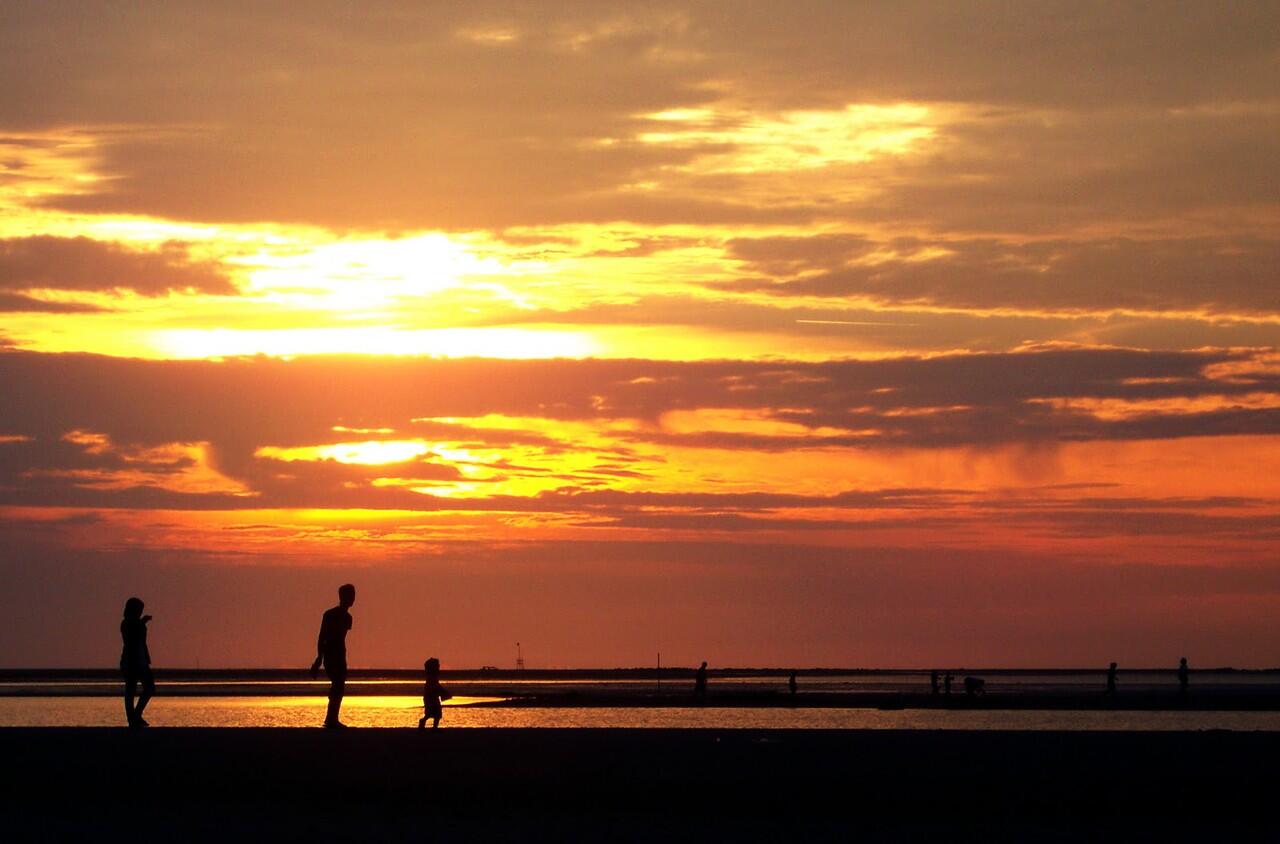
[433, 695]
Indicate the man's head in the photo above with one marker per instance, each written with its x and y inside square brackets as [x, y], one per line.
[346, 594]
[133, 608]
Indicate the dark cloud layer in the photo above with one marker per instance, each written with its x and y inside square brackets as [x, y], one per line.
[81, 263]
[1213, 274]
[288, 401]
[490, 114]
[237, 407]
[17, 303]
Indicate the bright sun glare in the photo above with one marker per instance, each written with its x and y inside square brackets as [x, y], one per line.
[372, 453]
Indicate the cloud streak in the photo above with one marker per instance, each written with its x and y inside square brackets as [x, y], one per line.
[560, 435]
[42, 262]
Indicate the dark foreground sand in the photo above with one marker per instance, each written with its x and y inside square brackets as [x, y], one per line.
[176, 784]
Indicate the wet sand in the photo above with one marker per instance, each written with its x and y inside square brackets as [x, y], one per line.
[583, 784]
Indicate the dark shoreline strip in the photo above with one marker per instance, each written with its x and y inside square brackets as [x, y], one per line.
[581, 784]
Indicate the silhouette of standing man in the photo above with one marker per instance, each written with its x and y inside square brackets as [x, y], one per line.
[700, 682]
[1111, 681]
[331, 650]
[135, 661]
[1184, 676]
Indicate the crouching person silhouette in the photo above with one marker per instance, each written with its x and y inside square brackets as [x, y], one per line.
[135, 662]
[331, 651]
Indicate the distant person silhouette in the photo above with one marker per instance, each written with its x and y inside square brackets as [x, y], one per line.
[135, 662]
[1184, 676]
[946, 683]
[791, 683]
[933, 682]
[1111, 681]
[433, 695]
[975, 686]
[331, 650]
[700, 682]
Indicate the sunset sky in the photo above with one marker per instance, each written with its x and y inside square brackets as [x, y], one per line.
[859, 334]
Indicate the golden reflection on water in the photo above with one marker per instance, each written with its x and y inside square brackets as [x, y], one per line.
[392, 702]
[357, 711]
[403, 711]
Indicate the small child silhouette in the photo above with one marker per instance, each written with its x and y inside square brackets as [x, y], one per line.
[433, 695]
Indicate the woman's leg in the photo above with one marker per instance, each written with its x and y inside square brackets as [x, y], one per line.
[148, 689]
[130, 686]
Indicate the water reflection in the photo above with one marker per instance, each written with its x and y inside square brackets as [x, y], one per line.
[404, 711]
[906, 683]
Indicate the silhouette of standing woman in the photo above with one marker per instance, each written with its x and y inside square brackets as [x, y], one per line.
[135, 662]
[331, 650]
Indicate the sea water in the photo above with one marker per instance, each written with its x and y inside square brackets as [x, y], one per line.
[405, 710]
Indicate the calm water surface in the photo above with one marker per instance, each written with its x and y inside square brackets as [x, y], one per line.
[508, 686]
[404, 711]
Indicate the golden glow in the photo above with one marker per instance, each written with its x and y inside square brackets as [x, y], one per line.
[1114, 409]
[371, 453]
[795, 139]
[358, 702]
[363, 275]
[50, 164]
[446, 342]
[735, 421]
[986, 488]
[494, 37]
[177, 467]
[306, 290]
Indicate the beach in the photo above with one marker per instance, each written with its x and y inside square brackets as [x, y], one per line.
[505, 784]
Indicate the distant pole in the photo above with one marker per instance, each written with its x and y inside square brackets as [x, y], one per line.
[519, 658]
[659, 670]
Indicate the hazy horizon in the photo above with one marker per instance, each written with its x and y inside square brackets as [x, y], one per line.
[780, 670]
